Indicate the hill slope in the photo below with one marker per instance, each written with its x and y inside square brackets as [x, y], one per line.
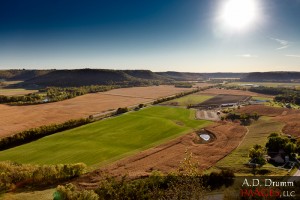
[21, 75]
[272, 77]
[182, 76]
[80, 77]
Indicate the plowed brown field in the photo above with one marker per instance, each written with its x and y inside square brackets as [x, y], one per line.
[18, 118]
[167, 157]
[215, 91]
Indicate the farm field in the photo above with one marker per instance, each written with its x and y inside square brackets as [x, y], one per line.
[15, 92]
[268, 84]
[216, 91]
[17, 118]
[109, 139]
[189, 99]
[9, 82]
[201, 84]
[258, 133]
[224, 98]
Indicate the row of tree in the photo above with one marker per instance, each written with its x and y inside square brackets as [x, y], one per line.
[14, 175]
[36, 133]
[277, 142]
[288, 98]
[244, 118]
[33, 97]
[283, 95]
[270, 90]
[183, 85]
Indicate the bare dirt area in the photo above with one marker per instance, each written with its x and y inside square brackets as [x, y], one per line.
[290, 117]
[207, 115]
[215, 91]
[18, 118]
[167, 157]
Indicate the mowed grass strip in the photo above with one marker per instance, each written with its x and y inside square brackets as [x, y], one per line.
[261, 98]
[191, 99]
[108, 140]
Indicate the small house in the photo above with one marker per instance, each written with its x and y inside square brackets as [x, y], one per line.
[278, 159]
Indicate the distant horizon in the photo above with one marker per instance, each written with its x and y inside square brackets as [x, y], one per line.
[2, 69]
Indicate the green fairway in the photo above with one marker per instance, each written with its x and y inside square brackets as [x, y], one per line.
[108, 140]
[190, 99]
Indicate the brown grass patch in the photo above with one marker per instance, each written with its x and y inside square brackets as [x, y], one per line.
[18, 118]
[290, 117]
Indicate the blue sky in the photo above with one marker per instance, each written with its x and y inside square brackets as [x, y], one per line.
[168, 35]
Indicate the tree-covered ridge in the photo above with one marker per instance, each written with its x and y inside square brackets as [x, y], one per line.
[272, 77]
[20, 74]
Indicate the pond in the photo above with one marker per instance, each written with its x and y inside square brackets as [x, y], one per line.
[205, 137]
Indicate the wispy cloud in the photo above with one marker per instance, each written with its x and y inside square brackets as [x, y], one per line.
[283, 47]
[247, 56]
[295, 56]
[284, 43]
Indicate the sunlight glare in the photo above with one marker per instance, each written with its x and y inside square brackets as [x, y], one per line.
[239, 14]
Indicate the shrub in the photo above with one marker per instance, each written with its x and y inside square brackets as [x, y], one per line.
[121, 110]
[70, 192]
[14, 175]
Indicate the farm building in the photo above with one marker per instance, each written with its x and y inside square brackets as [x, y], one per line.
[228, 104]
[277, 158]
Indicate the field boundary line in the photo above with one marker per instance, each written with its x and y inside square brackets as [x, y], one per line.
[243, 137]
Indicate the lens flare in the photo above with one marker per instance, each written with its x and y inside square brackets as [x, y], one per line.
[239, 14]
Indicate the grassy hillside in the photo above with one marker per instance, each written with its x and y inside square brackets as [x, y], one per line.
[109, 139]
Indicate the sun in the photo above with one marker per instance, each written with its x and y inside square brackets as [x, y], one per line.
[239, 14]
